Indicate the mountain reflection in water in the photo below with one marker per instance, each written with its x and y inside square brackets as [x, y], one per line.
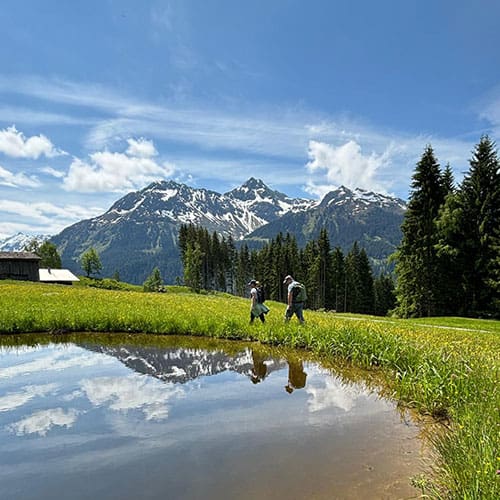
[190, 419]
[184, 364]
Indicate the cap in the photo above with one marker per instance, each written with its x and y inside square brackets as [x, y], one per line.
[287, 278]
[251, 282]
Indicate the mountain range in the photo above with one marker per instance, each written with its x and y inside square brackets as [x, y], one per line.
[181, 365]
[140, 230]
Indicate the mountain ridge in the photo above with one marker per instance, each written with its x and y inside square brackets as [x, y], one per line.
[140, 230]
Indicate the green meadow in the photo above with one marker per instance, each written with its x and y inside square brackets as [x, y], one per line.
[444, 368]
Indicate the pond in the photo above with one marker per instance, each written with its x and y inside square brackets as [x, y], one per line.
[187, 418]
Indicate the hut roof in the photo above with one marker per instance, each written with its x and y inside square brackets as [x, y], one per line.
[58, 275]
[18, 256]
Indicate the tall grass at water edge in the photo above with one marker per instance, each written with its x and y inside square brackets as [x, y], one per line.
[451, 373]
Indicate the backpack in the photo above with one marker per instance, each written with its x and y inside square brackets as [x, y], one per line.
[299, 293]
[261, 296]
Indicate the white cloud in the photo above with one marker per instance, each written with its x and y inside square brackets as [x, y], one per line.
[16, 399]
[53, 218]
[141, 148]
[344, 165]
[334, 394]
[488, 108]
[42, 421]
[56, 361]
[45, 212]
[58, 174]
[10, 179]
[133, 392]
[13, 143]
[117, 171]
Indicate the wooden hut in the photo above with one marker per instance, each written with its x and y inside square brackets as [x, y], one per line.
[19, 266]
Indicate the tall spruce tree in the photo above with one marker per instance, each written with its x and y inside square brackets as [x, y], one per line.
[352, 299]
[479, 227]
[338, 279]
[193, 266]
[312, 279]
[325, 269]
[417, 268]
[385, 298]
[365, 279]
[244, 270]
[450, 292]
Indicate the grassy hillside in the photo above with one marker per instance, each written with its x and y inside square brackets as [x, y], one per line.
[445, 367]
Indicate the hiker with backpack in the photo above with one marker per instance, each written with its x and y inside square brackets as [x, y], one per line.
[296, 298]
[257, 297]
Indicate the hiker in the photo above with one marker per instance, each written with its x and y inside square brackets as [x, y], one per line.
[296, 298]
[257, 307]
[296, 375]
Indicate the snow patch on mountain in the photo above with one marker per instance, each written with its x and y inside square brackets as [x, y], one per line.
[18, 242]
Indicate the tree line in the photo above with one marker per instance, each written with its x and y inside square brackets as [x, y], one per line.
[334, 281]
[448, 262]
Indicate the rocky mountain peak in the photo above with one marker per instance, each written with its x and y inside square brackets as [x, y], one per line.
[254, 189]
[359, 199]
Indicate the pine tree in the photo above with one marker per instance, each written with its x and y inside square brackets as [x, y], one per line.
[447, 180]
[338, 279]
[352, 299]
[193, 263]
[243, 271]
[419, 280]
[325, 271]
[479, 225]
[365, 280]
[385, 298]
[311, 263]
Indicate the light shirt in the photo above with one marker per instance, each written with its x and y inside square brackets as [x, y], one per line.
[291, 285]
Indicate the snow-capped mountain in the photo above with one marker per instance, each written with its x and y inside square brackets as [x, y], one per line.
[256, 198]
[180, 365]
[236, 213]
[18, 242]
[372, 219]
[359, 200]
[140, 231]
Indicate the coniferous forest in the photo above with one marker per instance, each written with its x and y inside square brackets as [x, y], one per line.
[334, 281]
[447, 264]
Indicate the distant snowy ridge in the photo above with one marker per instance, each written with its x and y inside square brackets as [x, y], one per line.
[18, 242]
[236, 213]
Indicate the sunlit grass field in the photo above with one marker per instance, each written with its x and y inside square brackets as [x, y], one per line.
[444, 367]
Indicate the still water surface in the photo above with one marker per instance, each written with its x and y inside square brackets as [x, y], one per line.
[192, 419]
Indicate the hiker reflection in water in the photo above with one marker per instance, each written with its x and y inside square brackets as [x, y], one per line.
[259, 370]
[296, 375]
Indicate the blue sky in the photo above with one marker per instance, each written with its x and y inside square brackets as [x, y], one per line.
[101, 97]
